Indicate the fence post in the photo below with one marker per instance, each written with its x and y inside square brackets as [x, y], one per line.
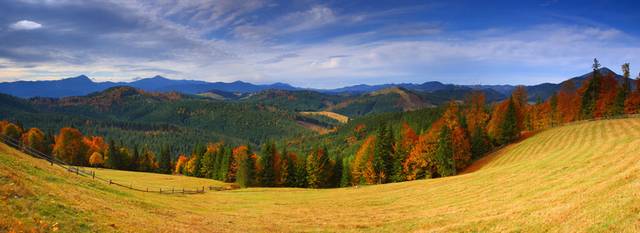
[147, 189]
[93, 173]
[109, 182]
[77, 170]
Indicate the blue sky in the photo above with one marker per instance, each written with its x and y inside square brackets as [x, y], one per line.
[320, 44]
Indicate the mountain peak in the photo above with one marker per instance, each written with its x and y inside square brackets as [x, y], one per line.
[81, 77]
[158, 77]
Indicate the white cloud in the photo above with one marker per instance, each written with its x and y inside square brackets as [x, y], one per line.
[25, 25]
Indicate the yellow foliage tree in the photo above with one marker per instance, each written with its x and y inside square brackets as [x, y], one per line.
[96, 159]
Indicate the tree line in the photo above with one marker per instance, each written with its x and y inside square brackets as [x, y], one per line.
[465, 131]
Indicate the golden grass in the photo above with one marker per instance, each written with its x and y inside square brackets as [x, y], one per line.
[576, 178]
[338, 117]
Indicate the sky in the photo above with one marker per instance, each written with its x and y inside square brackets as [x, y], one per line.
[317, 44]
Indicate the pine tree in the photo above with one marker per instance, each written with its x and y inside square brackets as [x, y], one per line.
[135, 159]
[345, 179]
[225, 160]
[164, 165]
[590, 96]
[509, 125]
[479, 143]
[267, 178]
[383, 154]
[244, 175]
[444, 153]
[336, 174]
[217, 163]
[301, 173]
[113, 157]
[623, 91]
[207, 169]
[198, 153]
[318, 168]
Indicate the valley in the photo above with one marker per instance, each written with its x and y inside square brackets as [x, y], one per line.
[578, 177]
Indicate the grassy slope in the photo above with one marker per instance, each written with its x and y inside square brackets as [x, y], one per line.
[581, 177]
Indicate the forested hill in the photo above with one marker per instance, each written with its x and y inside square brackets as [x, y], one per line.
[137, 117]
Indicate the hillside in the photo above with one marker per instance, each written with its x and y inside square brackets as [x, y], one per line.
[140, 117]
[580, 177]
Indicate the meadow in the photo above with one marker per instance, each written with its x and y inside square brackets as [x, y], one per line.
[581, 177]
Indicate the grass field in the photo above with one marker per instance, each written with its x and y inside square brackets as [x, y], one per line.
[576, 178]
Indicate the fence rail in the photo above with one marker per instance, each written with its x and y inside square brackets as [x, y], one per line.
[92, 174]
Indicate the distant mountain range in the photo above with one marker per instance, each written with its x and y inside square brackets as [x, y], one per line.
[83, 85]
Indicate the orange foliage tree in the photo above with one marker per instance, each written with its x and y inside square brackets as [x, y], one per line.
[96, 159]
[35, 139]
[362, 170]
[606, 96]
[70, 147]
[181, 162]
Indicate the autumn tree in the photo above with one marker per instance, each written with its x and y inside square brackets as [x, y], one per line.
[402, 147]
[420, 162]
[180, 164]
[70, 147]
[95, 144]
[239, 154]
[12, 131]
[363, 161]
[96, 160]
[317, 166]
[568, 103]
[623, 92]
[35, 138]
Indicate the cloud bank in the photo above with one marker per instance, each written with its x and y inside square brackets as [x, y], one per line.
[309, 44]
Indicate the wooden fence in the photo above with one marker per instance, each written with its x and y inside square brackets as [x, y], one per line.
[92, 174]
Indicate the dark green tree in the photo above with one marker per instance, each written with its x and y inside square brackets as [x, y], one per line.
[207, 168]
[479, 142]
[383, 153]
[509, 125]
[445, 165]
[164, 160]
[623, 91]
[336, 174]
[301, 173]
[245, 176]
[225, 162]
[590, 96]
[345, 179]
[268, 154]
[135, 159]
